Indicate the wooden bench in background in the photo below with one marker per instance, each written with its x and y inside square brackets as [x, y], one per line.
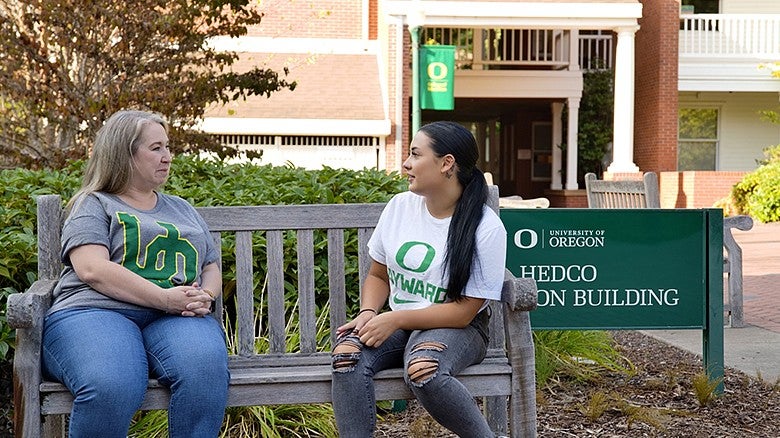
[505, 378]
[645, 194]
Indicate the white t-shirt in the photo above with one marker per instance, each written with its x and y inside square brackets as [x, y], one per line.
[412, 243]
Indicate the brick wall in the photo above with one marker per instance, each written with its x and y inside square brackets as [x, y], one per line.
[319, 19]
[567, 198]
[398, 128]
[373, 23]
[695, 189]
[699, 189]
[655, 118]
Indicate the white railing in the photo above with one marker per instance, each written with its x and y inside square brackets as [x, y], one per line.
[730, 35]
[484, 49]
[479, 49]
[596, 51]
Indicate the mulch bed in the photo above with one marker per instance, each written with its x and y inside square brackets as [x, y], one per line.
[659, 400]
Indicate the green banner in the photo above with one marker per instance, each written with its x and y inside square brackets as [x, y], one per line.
[437, 77]
[613, 269]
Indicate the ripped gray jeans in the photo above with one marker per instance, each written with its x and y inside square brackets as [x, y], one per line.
[431, 359]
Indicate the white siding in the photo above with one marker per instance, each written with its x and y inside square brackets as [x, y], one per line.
[742, 134]
[750, 6]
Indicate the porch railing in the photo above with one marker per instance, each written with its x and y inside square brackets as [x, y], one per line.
[492, 49]
[730, 35]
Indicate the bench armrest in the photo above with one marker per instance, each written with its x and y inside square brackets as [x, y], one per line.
[519, 293]
[741, 222]
[28, 308]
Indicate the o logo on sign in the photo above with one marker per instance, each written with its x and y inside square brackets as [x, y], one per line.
[437, 71]
[424, 264]
[532, 238]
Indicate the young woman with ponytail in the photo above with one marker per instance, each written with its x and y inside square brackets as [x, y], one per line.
[438, 258]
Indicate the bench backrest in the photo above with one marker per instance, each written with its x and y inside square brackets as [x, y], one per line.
[316, 234]
[623, 194]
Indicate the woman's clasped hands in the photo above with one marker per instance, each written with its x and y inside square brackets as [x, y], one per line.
[189, 300]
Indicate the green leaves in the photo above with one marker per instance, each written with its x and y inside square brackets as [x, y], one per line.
[203, 182]
[758, 194]
[66, 65]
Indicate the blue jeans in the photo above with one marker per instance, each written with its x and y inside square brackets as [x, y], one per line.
[105, 357]
[431, 359]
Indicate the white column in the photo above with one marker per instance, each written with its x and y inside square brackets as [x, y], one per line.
[571, 143]
[574, 50]
[557, 140]
[623, 136]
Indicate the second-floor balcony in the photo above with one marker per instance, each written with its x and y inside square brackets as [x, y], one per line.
[525, 49]
[725, 52]
[730, 36]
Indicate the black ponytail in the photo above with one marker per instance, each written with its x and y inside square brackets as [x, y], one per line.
[453, 138]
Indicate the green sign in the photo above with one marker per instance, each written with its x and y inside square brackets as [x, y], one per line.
[624, 269]
[437, 77]
[612, 269]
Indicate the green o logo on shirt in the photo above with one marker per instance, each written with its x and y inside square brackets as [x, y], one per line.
[424, 264]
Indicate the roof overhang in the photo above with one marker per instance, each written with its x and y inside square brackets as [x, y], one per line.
[572, 14]
[315, 127]
[329, 100]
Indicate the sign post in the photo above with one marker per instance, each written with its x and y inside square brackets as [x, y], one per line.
[637, 269]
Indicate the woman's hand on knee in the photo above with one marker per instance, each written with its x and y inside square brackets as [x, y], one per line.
[378, 329]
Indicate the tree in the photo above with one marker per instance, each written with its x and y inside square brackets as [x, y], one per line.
[66, 65]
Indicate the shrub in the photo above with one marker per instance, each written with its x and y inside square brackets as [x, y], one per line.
[203, 182]
[758, 194]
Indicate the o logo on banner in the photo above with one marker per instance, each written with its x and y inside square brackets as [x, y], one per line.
[532, 238]
[424, 264]
[437, 71]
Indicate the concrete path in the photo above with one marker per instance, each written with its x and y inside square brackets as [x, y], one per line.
[755, 348]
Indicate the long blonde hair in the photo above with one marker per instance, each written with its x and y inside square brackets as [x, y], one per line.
[111, 164]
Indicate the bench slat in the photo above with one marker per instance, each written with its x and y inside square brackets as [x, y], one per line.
[275, 291]
[364, 260]
[292, 217]
[217, 304]
[307, 319]
[244, 293]
[336, 286]
[298, 385]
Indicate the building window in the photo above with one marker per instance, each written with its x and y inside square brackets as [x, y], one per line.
[541, 153]
[697, 139]
[701, 6]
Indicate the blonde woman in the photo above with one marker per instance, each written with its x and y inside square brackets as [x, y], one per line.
[140, 273]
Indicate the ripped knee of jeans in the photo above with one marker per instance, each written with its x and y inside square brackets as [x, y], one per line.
[422, 369]
[345, 355]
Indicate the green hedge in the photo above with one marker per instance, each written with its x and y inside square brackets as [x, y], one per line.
[758, 194]
[201, 182]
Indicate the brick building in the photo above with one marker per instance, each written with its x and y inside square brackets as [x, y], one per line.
[518, 85]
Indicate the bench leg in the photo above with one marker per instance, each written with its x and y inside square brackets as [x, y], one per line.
[522, 404]
[735, 290]
[496, 414]
[55, 426]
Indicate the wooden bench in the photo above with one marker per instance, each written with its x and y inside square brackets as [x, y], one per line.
[645, 194]
[505, 378]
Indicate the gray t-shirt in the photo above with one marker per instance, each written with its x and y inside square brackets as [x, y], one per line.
[168, 245]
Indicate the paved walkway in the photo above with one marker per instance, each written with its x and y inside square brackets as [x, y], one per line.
[755, 348]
